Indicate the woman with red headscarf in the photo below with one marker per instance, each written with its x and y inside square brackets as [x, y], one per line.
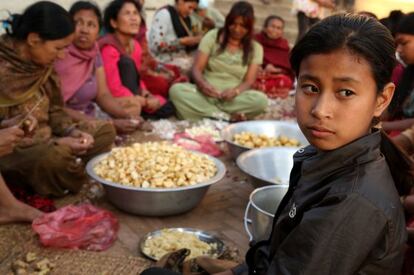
[276, 77]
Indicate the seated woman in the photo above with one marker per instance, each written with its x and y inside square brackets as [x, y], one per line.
[12, 210]
[171, 37]
[224, 70]
[51, 160]
[156, 76]
[121, 56]
[400, 114]
[276, 77]
[205, 18]
[82, 75]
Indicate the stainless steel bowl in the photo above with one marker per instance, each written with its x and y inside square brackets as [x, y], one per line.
[271, 128]
[155, 201]
[201, 235]
[267, 166]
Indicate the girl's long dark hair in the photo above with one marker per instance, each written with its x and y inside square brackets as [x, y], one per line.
[369, 39]
[244, 10]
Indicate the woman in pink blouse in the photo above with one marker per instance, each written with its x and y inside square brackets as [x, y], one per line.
[121, 56]
[82, 76]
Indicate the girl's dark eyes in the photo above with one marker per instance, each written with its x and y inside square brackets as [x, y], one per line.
[309, 88]
[346, 93]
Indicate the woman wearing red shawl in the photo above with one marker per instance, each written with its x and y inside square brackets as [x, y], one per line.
[276, 77]
[82, 74]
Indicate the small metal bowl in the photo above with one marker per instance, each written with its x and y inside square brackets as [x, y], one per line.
[155, 201]
[201, 235]
[267, 166]
[270, 128]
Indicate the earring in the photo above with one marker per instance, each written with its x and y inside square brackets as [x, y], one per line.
[376, 122]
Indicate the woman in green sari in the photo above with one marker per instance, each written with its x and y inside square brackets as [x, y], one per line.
[50, 157]
[224, 70]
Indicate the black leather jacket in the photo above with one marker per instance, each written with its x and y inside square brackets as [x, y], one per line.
[341, 215]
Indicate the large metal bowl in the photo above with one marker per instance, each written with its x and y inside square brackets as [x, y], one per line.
[155, 201]
[271, 128]
[267, 166]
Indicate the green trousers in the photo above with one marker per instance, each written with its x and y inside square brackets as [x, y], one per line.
[51, 169]
[191, 104]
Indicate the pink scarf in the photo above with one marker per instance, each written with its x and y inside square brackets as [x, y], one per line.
[75, 69]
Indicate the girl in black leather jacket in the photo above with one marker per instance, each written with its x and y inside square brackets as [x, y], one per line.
[342, 213]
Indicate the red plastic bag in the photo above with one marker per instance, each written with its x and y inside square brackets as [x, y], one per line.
[79, 227]
[202, 143]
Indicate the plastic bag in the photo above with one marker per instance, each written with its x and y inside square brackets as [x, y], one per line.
[79, 227]
[202, 143]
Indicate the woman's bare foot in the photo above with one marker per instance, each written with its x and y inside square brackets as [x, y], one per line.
[238, 117]
[18, 212]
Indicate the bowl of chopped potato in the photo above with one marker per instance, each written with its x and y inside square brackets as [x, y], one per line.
[156, 244]
[155, 178]
[243, 136]
[267, 166]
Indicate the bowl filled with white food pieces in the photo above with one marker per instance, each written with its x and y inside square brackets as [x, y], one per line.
[155, 178]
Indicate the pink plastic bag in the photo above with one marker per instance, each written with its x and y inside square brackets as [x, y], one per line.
[202, 143]
[79, 227]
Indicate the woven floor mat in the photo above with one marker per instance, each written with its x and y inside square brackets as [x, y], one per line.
[16, 241]
[12, 239]
[77, 262]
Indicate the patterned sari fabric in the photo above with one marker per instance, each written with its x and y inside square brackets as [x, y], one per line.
[165, 32]
[50, 168]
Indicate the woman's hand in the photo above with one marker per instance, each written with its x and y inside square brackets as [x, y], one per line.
[209, 90]
[78, 141]
[229, 94]
[127, 126]
[28, 125]
[153, 103]
[9, 137]
[190, 40]
[272, 69]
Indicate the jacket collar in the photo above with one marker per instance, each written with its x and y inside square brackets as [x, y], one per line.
[317, 164]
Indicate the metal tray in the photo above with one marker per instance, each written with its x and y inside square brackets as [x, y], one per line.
[201, 235]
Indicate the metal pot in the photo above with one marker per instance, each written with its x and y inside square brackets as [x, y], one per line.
[260, 211]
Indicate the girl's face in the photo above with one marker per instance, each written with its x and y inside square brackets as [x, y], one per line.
[128, 20]
[274, 29]
[405, 47]
[87, 29]
[336, 98]
[45, 52]
[238, 29]
[186, 8]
